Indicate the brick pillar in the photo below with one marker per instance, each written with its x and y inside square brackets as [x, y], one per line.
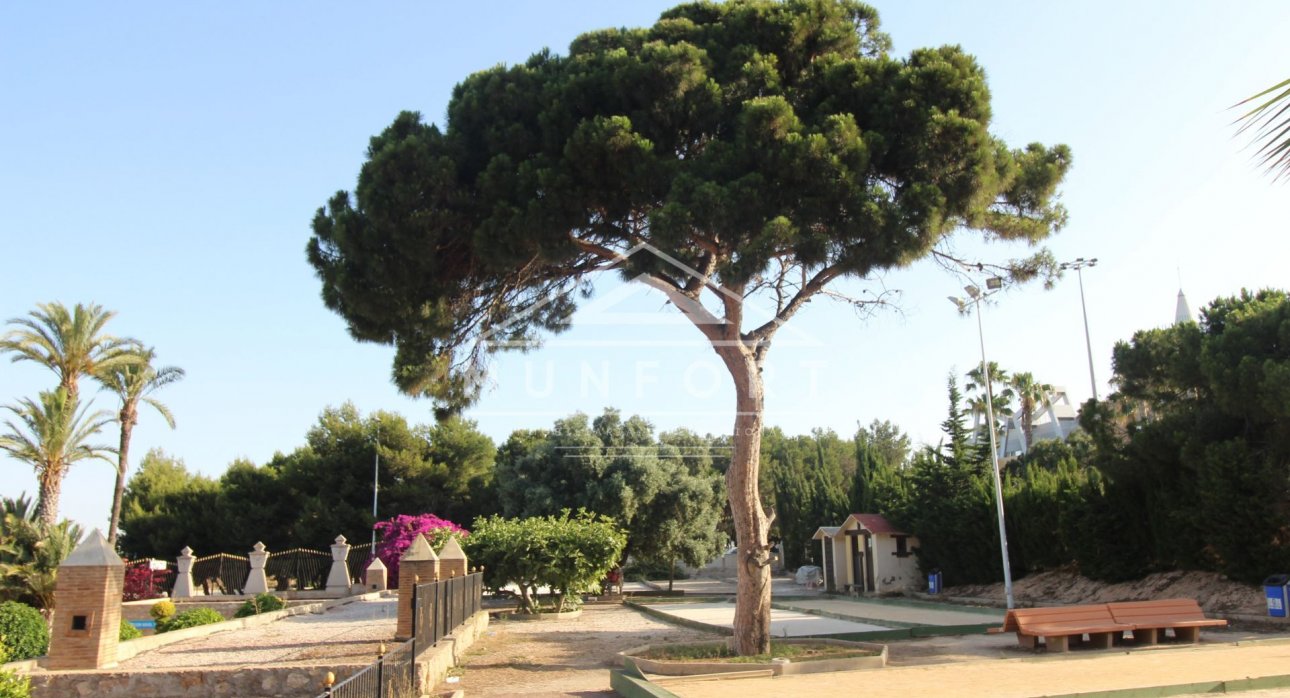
[184, 577]
[452, 559]
[338, 577]
[87, 597]
[256, 582]
[376, 575]
[417, 566]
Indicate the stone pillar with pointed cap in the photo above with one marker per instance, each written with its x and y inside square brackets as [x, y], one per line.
[418, 565]
[452, 559]
[87, 597]
[184, 576]
[338, 577]
[256, 582]
[376, 575]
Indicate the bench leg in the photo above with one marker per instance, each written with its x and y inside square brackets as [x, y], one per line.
[1027, 641]
[1101, 641]
[1146, 636]
[1059, 643]
[1189, 635]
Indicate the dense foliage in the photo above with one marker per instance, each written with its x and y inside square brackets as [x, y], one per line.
[307, 497]
[666, 493]
[24, 631]
[189, 619]
[14, 685]
[569, 553]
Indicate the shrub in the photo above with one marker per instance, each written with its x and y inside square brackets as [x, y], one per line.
[23, 630]
[4, 652]
[190, 619]
[162, 610]
[262, 603]
[14, 686]
[128, 631]
[143, 582]
[398, 533]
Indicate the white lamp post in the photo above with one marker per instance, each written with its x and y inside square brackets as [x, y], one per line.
[1078, 265]
[993, 283]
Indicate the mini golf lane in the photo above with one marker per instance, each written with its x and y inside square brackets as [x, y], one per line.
[782, 623]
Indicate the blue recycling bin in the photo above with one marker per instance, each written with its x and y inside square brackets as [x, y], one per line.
[1274, 588]
[934, 582]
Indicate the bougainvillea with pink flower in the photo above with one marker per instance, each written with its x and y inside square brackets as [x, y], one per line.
[398, 533]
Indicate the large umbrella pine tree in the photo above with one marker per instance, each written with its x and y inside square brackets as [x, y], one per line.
[730, 150]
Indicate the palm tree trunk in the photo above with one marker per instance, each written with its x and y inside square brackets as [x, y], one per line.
[752, 526]
[51, 482]
[123, 462]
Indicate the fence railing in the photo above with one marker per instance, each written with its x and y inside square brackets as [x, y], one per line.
[222, 573]
[394, 675]
[298, 568]
[360, 556]
[439, 607]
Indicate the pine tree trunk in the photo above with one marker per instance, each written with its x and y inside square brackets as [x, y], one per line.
[752, 526]
[123, 461]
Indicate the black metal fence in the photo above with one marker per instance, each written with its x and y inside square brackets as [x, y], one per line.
[221, 573]
[298, 568]
[439, 607]
[360, 556]
[394, 675]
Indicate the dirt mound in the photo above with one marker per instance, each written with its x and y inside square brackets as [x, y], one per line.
[1214, 592]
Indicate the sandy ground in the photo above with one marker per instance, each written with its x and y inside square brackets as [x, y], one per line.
[567, 657]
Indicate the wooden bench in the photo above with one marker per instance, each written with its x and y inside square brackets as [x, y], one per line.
[1058, 624]
[1150, 618]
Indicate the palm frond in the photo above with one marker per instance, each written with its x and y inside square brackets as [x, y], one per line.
[1269, 124]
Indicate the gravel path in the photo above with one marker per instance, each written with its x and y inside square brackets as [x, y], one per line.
[350, 632]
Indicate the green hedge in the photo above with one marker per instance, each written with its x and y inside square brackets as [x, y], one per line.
[128, 632]
[24, 631]
[262, 603]
[189, 619]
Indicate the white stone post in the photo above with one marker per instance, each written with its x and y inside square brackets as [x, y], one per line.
[184, 577]
[256, 582]
[338, 577]
[376, 576]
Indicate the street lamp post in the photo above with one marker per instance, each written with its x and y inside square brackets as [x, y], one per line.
[376, 485]
[994, 283]
[1078, 265]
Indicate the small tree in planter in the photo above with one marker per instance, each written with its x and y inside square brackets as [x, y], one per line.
[569, 553]
[398, 533]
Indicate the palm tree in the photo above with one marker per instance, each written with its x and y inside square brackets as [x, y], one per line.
[52, 437]
[1271, 124]
[134, 383]
[71, 343]
[1002, 403]
[1032, 395]
[30, 554]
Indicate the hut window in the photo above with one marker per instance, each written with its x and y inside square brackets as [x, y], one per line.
[902, 546]
[80, 622]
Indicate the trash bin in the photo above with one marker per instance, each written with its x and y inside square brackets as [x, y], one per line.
[934, 582]
[1274, 588]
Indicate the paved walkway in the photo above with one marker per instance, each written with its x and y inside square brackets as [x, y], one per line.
[782, 623]
[903, 613]
[352, 632]
[1050, 675]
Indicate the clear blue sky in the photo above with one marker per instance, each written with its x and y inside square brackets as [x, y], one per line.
[165, 159]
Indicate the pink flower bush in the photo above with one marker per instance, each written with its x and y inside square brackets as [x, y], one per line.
[398, 533]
